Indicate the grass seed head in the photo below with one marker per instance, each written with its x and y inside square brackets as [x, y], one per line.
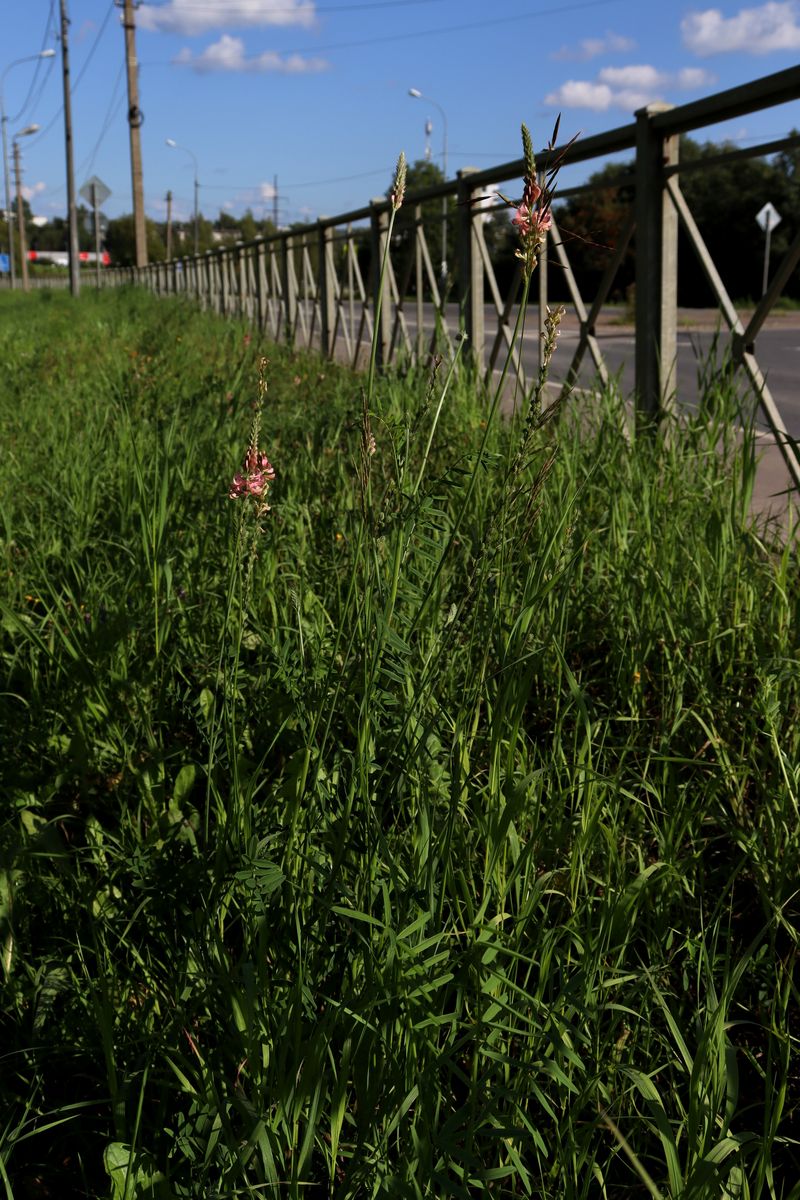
[399, 185]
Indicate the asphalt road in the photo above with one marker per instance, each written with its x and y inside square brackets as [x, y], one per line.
[777, 352]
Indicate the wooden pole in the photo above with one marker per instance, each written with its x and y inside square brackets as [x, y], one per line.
[96, 208]
[656, 266]
[23, 249]
[169, 226]
[134, 123]
[470, 279]
[72, 211]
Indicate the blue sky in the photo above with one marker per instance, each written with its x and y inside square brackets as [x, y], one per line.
[315, 92]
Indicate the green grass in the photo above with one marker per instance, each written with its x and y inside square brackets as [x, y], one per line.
[438, 839]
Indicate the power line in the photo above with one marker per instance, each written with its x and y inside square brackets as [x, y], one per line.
[251, 187]
[79, 76]
[114, 106]
[39, 62]
[94, 46]
[442, 29]
[330, 8]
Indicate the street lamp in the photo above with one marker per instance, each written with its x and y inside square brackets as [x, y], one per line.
[23, 249]
[174, 146]
[3, 122]
[418, 95]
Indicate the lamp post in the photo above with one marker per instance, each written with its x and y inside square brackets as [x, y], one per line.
[4, 121]
[174, 146]
[23, 249]
[418, 95]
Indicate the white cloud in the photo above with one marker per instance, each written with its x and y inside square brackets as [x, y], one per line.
[580, 93]
[267, 191]
[34, 190]
[628, 88]
[695, 77]
[612, 43]
[199, 16]
[228, 54]
[773, 26]
[641, 77]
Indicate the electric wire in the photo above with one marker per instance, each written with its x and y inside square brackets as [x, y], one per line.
[114, 105]
[84, 67]
[39, 62]
[461, 27]
[318, 11]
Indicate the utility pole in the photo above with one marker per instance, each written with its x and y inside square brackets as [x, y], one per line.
[134, 124]
[169, 226]
[275, 201]
[23, 249]
[96, 209]
[9, 208]
[72, 212]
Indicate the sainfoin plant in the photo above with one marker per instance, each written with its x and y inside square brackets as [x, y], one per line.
[402, 799]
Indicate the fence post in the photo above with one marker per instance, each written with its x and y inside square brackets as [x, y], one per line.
[470, 267]
[208, 281]
[260, 272]
[419, 281]
[379, 229]
[241, 263]
[224, 260]
[327, 279]
[656, 267]
[289, 289]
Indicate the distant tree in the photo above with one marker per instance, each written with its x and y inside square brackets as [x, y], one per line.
[248, 229]
[591, 225]
[121, 241]
[85, 220]
[29, 228]
[226, 222]
[724, 199]
[424, 174]
[52, 236]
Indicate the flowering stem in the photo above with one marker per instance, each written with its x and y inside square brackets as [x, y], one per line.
[437, 414]
[474, 476]
[373, 354]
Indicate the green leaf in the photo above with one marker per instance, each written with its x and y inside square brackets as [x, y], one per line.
[206, 702]
[184, 782]
[133, 1173]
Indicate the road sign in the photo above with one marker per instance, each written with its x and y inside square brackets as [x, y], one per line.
[95, 192]
[4, 264]
[768, 217]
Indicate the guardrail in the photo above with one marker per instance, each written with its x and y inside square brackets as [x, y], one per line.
[314, 286]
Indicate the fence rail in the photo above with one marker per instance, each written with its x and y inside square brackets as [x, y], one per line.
[315, 286]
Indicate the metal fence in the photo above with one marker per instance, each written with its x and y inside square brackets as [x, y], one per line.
[314, 287]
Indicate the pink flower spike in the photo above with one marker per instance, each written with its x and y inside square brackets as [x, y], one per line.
[238, 487]
[522, 219]
[256, 484]
[256, 461]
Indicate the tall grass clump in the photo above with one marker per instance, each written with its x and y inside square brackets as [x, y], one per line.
[402, 801]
